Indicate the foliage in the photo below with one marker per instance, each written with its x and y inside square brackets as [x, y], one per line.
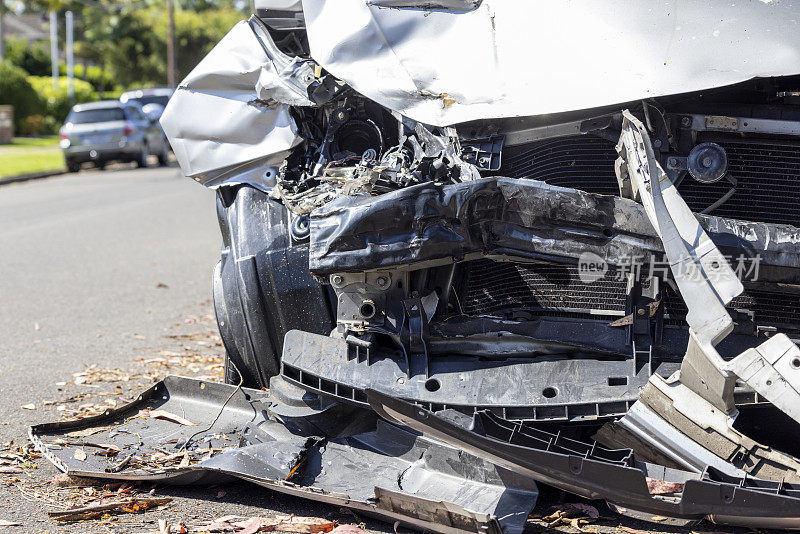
[100, 78]
[34, 125]
[132, 45]
[56, 100]
[33, 58]
[16, 90]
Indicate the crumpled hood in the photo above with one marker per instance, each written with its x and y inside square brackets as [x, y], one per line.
[507, 58]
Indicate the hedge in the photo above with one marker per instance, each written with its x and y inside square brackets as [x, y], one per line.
[16, 90]
[56, 101]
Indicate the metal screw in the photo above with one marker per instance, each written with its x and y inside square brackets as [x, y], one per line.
[337, 279]
[707, 161]
[640, 311]
[382, 281]
[673, 162]
[686, 122]
[657, 143]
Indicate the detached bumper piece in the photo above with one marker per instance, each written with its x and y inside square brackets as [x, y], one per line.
[594, 472]
[330, 453]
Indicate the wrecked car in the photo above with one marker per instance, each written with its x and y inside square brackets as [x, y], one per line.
[472, 246]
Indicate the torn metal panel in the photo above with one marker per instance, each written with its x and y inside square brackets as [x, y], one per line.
[422, 483]
[586, 469]
[672, 425]
[445, 66]
[229, 120]
[705, 278]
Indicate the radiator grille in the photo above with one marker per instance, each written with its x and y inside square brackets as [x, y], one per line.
[581, 162]
[495, 287]
[767, 172]
[768, 183]
[768, 308]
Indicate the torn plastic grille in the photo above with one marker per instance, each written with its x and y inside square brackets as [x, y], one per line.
[767, 172]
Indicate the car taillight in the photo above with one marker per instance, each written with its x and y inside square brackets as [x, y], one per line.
[63, 137]
[128, 129]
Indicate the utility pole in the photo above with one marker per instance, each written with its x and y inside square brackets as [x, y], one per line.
[2, 32]
[70, 58]
[53, 46]
[170, 44]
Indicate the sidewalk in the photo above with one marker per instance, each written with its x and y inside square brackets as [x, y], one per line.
[28, 158]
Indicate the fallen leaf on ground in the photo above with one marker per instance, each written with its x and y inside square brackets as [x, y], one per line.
[63, 480]
[661, 487]
[165, 415]
[7, 469]
[348, 529]
[133, 506]
[303, 525]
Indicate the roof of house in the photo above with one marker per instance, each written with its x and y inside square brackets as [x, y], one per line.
[30, 26]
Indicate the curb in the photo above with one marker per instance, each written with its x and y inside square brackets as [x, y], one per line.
[30, 176]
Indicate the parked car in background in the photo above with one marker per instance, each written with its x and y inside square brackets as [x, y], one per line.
[111, 130]
[146, 97]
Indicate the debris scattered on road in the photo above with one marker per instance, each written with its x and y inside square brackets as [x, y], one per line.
[5, 523]
[30, 406]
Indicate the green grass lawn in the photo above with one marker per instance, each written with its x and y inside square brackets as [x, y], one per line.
[30, 154]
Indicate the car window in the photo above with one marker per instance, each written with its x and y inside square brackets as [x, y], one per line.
[89, 116]
[151, 99]
[135, 114]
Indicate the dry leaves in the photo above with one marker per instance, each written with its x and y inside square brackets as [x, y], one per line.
[251, 525]
[132, 506]
[575, 515]
[166, 416]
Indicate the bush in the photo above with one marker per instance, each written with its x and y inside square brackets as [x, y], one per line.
[17, 91]
[56, 101]
[101, 80]
[33, 58]
[34, 125]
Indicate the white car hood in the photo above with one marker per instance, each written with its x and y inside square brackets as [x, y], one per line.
[507, 58]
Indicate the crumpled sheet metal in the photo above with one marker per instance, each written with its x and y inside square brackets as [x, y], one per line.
[364, 464]
[507, 217]
[229, 119]
[508, 58]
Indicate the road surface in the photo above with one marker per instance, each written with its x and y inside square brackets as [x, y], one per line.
[101, 268]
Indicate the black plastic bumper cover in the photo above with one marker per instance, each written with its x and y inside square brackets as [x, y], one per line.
[592, 471]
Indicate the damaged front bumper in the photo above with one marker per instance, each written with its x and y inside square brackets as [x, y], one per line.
[462, 474]
[464, 295]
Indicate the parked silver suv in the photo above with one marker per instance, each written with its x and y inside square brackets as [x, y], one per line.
[111, 130]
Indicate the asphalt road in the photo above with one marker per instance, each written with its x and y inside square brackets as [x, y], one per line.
[110, 271]
[105, 268]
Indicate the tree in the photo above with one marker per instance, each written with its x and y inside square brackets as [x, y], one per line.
[138, 52]
[34, 58]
